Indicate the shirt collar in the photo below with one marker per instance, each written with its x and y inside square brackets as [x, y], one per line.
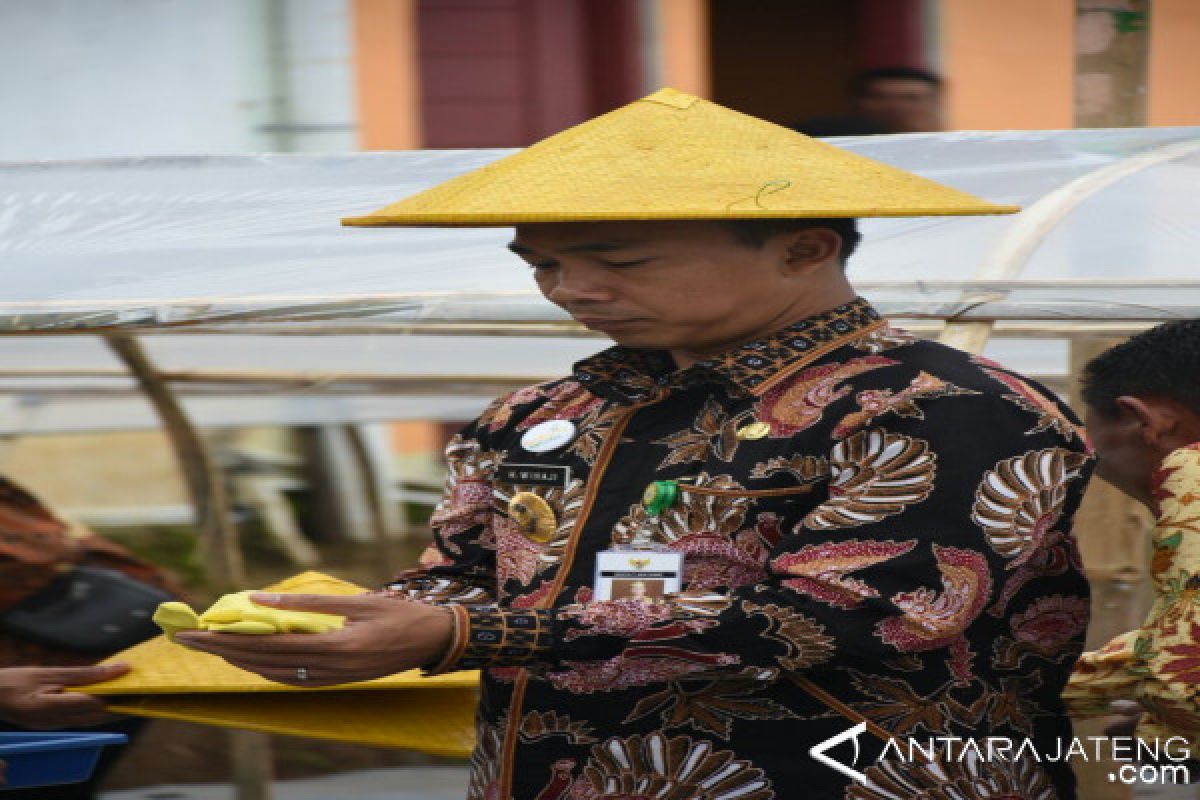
[631, 375]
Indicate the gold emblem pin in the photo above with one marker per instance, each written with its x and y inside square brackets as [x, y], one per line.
[755, 430]
[533, 516]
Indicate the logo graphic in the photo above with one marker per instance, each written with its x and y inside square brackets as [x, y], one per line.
[817, 751]
[639, 563]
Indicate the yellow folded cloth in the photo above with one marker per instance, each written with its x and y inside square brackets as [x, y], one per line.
[408, 710]
[236, 613]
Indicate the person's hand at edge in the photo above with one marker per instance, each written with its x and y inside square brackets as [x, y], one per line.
[33, 697]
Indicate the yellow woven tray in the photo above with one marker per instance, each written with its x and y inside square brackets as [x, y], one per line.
[433, 715]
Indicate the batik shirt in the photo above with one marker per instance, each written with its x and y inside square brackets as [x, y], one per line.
[1158, 665]
[877, 520]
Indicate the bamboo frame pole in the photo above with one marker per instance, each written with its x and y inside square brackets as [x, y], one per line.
[250, 752]
[205, 484]
[1007, 259]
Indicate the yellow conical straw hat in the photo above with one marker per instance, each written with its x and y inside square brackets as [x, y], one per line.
[672, 156]
[434, 715]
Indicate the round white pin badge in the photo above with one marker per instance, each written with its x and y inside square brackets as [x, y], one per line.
[549, 435]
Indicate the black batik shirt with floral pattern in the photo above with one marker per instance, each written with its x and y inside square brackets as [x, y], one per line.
[896, 540]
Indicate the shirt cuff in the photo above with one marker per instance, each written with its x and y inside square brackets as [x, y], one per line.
[487, 636]
[448, 662]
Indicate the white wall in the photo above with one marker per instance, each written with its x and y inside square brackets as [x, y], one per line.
[319, 76]
[96, 78]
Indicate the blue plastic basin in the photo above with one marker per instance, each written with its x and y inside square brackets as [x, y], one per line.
[52, 758]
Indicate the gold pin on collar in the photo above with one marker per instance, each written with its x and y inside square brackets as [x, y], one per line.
[533, 516]
[755, 430]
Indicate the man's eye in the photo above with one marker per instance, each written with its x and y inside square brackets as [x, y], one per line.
[543, 265]
[633, 263]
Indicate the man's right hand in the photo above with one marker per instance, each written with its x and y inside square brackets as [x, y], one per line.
[33, 697]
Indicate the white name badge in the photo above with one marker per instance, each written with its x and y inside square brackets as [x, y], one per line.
[549, 435]
[645, 575]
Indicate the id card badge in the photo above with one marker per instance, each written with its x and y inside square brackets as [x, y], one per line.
[645, 575]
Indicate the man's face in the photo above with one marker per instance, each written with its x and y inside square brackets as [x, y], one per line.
[903, 105]
[1132, 440]
[1123, 456]
[659, 285]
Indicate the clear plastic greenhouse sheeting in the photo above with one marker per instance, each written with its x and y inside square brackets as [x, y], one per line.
[74, 383]
[330, 358]
[245, 241]
[34, 413]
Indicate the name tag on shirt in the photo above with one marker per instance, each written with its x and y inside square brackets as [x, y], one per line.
[534, 475]
[644, 575]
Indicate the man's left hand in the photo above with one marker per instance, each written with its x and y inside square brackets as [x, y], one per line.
[382, 636]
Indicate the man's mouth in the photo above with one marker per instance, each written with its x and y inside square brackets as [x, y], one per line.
[604, 322]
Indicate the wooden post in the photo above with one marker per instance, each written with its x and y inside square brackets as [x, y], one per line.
[253, 765]
[376, 495]
[1111, 47]
[251, 752]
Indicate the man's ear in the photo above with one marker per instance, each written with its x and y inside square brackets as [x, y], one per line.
[1156, 422]
[811, 247]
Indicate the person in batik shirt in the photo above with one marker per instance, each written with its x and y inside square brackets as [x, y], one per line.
[884, 520]
[1143, 406]
[874, 528]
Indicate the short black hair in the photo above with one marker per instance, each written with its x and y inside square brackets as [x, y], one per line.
[1161, 362]
[756, 232]
[860, 84]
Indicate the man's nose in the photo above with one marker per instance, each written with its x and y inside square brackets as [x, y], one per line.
[575, 284]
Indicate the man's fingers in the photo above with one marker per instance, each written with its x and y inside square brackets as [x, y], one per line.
[342, 605]
[313, 679]
[247, 647]
[80, 676]
[256, 661]
[61, 720]
[61, 705]
[286, 675]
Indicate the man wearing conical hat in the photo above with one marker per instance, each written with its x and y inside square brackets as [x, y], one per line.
[872, 528]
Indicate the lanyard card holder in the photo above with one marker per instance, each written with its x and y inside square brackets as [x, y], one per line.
[647, 576]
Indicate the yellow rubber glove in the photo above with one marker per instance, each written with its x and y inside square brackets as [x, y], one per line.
[235, 613]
